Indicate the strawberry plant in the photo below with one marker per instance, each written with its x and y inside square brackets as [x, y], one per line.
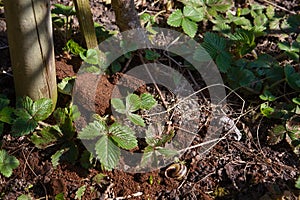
[7, 163]
[133, 104]
[29, 114]
[187, 19]
[108, 140]
[155, 148]
[62, 135]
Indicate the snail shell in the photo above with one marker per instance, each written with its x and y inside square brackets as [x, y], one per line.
[176, 171]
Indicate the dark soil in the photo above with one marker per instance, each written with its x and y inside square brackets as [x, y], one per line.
[247, 169]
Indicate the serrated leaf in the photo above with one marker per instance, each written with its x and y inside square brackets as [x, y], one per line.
[151, 55]
[55, 158]
[75, 113]
[223, 62]
[73, 47]
[136, 119]
[133, 102]
[270, 11]
[108, 152]
[42, 109]
[47, 136]
[201, 55]
[23, 126]
[175, 19]
[7, 163]
[147, 101]
[292, 77]
[267, 96]
[149, 157]
[26, 103]
[123, 136]
[93, 130]
[118, 105]
[189, 27]
[266, 110]
[61, 9]
[59, 196]
[24, 197]
[166, 152]
[194, 14]
[221, 6]
[91, 56]
[6, 115]
[66, 85]
[80, 192]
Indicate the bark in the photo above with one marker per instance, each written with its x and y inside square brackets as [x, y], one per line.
[126, 15]
[84, 14]
[31, 48]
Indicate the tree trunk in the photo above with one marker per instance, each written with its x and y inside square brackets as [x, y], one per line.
[84, 14]
[31, 48]
[126, 15]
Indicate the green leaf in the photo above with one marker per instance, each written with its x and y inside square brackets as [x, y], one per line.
[175, 19]
[59, 196]
[147, 101]
[123, 136]
[93, 130]
[260, 20]
[136, 119]
[148, 157]
[133, 102]
[24, 197]
[108, 152]
[86, 159]
[166, 152]
[194, 14]
[189, 27]
[266, 110]
[221, 6]
[201, 55]
[6, 115]
[267, 96]
[151, 55]
[61, 9]
[66, 85]
[74, 47]
[91, 56]
[116, 67]
[80, 192]
[23, 126]
[55, 158]
[45, 137]
[118, 105]
[42, 109]
[217, 48]
[25, 103]
[292, 77]
[270, 12]
[74, 112]
[7, 163]
[297, 184]
[296, 100]
[4, 102]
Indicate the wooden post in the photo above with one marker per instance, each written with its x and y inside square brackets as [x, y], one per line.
[30, 40]
[84, 14]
